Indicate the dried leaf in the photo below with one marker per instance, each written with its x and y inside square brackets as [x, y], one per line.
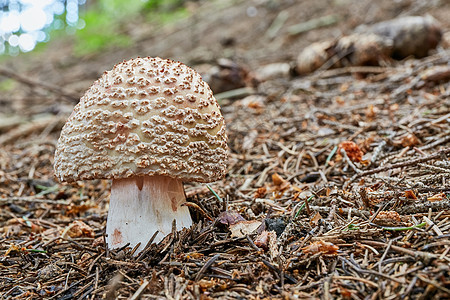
[206, 284]
[280, 183]
[410, 195]
[78, 229]
[410, 140]
[260, 192]
[85, 259]
[77, 209]
[262, 240]
[315, 219]
[98, 242]
[321, 247]
[12, 248]
[437, 197]
[277, 179]
[243, 228]
[230, 217]
[346, 294]
[194, 255]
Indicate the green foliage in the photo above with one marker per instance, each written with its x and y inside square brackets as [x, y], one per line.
[163, 5]
[164, 11]
[99, 33]
[103, 21]
[7, 85]
[168, 17]
[352, 227]
[102, 26]
[120, 8]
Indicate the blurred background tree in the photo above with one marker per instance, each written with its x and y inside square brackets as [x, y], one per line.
[95, 24]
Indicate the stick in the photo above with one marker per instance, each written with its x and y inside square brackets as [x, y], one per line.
[139, 291]
[34, 83]
[403, 164]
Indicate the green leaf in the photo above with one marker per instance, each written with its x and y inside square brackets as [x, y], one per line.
[214, 193]
[404, 228]
[352, 227]
[303, 206]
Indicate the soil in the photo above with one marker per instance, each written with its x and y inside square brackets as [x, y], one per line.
[344, 173]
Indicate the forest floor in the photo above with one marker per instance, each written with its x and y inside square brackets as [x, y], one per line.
[345, 172]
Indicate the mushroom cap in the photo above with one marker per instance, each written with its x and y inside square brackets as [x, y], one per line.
[147, 116]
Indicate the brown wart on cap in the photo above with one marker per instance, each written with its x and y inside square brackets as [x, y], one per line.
[148, 124]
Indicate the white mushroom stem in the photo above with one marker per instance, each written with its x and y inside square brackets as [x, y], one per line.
[140, 206]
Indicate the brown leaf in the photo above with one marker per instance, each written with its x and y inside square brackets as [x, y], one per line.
[77, 209]
[230, 217]
[277, 179]
[280, 183]
[410, 140]
[194, 255]
[243, 228]
[260, 192]
[320, 247]
[315, 219]
[410, 195]
[98, 242]
[262, 240]
[78, 229]
[437, 197]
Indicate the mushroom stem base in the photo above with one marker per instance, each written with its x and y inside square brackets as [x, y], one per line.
[140, 206]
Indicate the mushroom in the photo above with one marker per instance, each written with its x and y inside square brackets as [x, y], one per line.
[149, 124]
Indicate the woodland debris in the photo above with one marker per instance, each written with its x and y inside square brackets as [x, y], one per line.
[411, 36]
[313, 24]
[389, 218]
[374, 45]
[227, 75]
[36, 126]
[46, 86]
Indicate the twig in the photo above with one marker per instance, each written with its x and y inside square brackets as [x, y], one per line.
[205, 267]
[402, 164]
[424, 207]
[147, 247]
[34, 83]
[31, 127]
[434, 283]
[349, 162]
[341, 211]
[32, 199]
[368, 282]
[414, 253]
[195, 206]
[140, 290]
